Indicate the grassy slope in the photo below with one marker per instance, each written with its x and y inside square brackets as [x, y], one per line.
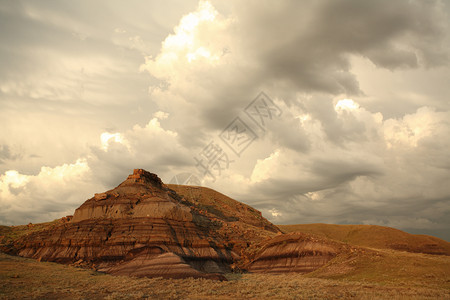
[387, 266]
[371, 236]
[219, 204]
[243, 224]
[10, 233]
[22, 278]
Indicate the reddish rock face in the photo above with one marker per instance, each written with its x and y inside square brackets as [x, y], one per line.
[292, 252]
[140, 228]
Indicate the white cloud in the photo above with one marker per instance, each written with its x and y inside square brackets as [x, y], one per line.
[346, 104]
[264, 167]
[161, 115]
[151, 147]
[275, 213]
[107, 137]
[11, 179]
[154, 128]
[187, 44]
[410, 129]
[50, 194]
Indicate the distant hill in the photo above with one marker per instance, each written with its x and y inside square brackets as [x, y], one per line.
[374, 236]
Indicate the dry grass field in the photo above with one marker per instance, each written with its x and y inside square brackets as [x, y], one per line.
[368, 276]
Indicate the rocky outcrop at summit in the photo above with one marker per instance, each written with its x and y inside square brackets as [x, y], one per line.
[141, 195]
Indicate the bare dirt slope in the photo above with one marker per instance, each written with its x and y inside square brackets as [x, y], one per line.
[374, 236]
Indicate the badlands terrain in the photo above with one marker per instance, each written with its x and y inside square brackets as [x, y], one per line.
[145, 239]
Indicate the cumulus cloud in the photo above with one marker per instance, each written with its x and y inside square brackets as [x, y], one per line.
[151, 147]
[50, 194]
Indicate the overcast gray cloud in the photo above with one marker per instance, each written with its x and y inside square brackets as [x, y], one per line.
[89, 91]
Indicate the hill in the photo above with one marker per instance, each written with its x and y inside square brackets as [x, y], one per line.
[374, 236]
[144, 228]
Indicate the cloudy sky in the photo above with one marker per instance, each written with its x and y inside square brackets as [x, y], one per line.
[310, 111]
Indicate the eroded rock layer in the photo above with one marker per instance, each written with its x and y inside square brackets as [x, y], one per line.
[293, 252]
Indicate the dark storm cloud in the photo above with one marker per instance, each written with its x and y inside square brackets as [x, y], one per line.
[309, 43]
[287, 133]
[318, 174]
[7, 154]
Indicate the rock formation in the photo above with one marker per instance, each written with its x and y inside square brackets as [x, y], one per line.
[292, 252]
[144, 228]
[140, 228]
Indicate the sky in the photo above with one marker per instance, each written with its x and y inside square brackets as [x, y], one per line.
[310, 111]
